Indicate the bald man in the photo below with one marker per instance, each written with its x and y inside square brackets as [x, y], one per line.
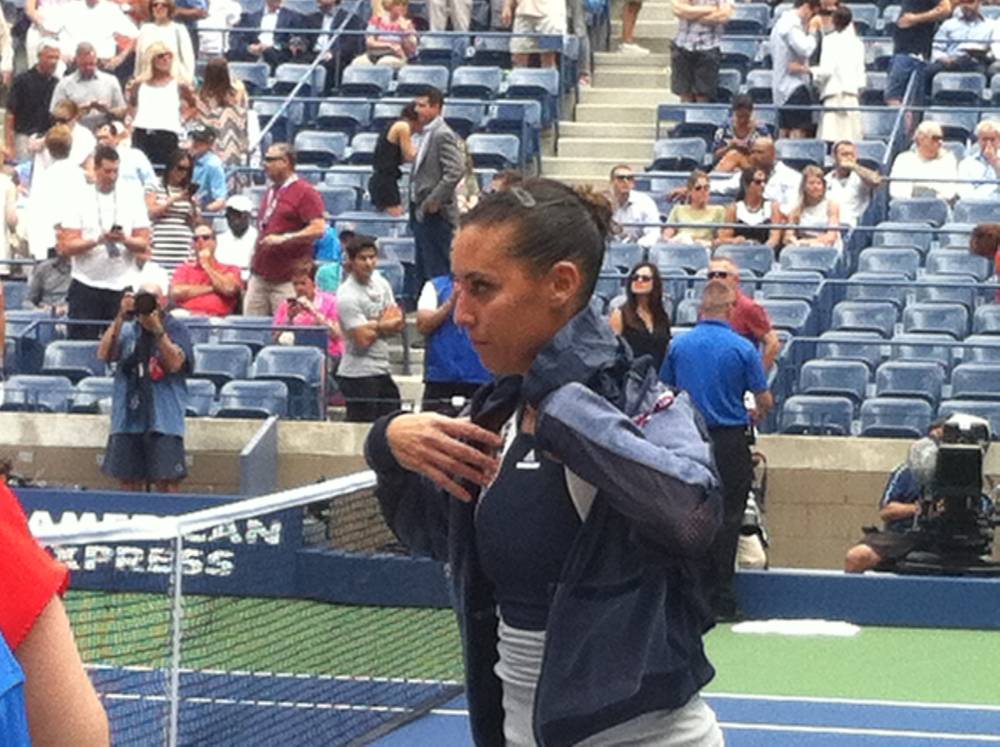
[748, 318]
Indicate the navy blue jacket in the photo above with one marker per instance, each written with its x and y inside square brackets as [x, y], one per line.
[240, 40]
[626, 618]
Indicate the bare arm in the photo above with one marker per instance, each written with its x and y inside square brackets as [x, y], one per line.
[615, 320]
[222, 283]
[870, 177]
[764, 402]
[774, 239]
[108, 349]
[8, 133]
[171, 354]
[187, 291]
[941, 10]
[727, 235]
[772, 346]
[70, 242]
[894, 511]
[429, 321]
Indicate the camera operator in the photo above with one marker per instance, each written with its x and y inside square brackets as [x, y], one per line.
[153, 351]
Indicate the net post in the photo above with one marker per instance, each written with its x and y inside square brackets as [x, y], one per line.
[176, 630]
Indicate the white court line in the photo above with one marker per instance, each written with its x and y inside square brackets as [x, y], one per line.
[852, 731]
[854, 701]
[277, 675]
[264, 703]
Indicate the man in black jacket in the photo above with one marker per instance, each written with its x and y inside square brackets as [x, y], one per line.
[330, 18]
[266, 45]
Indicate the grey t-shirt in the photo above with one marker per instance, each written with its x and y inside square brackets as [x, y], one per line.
[356, 305]
[103, 88]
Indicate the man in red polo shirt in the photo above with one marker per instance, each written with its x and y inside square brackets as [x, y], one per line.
[202, 285]
[748, 318]
[291, 219]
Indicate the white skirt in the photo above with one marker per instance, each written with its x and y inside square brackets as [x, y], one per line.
[837, 126]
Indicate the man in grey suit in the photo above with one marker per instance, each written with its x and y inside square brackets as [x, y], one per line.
[437, 169]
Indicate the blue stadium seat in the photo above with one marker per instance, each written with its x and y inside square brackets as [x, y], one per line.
[788, 314]
[976, 381]
[956, 124]
[748, 19]
[943, 289]
[865, 316]
[395, 273]
[754, 257]
[370, 223]
[288, 75]
[337, 200]
[252, 399]
[873, 93]
[286, 119]
[688, 257]
[986, 321]
[910, 379]
[252, 331]
[851, 346]
[522, 118]
[988, 410]
[866, 18]
[540, 84]
[625, 256]
[878, 286]
[952, 262]
[895, 417]
[201, 398]
[411, 80]
[363, 148]
[303, 370]
[737, 53]
[74, 359]
[370, 82]
[801, 153]
[221, 363]
[727, 85]
[317, 148]
[958, 89]
[877, 125]
[27, 393]
[955, 235]
[675, 282]
[816, 416]
[609, 283]
[878, 55]
[927, 209]
[871, 153]
[348, 176]
[679, 154]
[976, 210]
[471, 82]
[823, 259]
[759, 86]
[915, 346]
[442, 50]
[801, 284]
[402, 249]
[254, 75]
[890, 14]
[687, 312]
[93, 395]
[384, 113]
[835, 378]
[491, 51]
[14, 293]
[937, 318]
[913, 235]
[494, 151]
[900, 260]
[344, 116]
[700, 123]
[464, 117]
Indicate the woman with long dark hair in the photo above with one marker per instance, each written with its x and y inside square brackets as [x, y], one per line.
[172, 211]
[642, 321]
[222, 104]
[395, 145]
[753, 212]
[576, 503]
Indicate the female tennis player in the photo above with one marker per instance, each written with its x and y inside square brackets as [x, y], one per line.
[573, 506]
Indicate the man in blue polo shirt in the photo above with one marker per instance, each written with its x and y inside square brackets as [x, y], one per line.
[717, 367]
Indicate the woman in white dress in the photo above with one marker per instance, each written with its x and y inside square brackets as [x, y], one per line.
[840, 76]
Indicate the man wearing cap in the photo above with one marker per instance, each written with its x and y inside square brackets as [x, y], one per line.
[235, 246]
[209, 174]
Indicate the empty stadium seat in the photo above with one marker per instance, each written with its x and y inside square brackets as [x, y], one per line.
[922, 379]
[345, 116]
[370, 223]
[823, 259]
[878, 125]
[395, 274]
[878, 54]
[865, 316]
[969, 210]
[976, 381]
[302, 369]
[687, 312]
[492, 51]
[873, 93]
[947, 289]
[221, 363]
[93, 395]
[788, 314]
[958, 89]
[688, 257]
[759, 86]
[442, 50]
[737, 53]
[955, 235]
[384, 113]
[986, 320]
[540, 84]
[625, 256]
[915, 346]
[878, 286]
[871, 153]
[956, 124]
[365, 81]
[835, 378]
[851, 346]
[816, 416]
[866, 18]
[29, 393]
[363, 148]
[73, 359]
[754, 257]
[14, 293]
[252, 331]
[951, 262]
[914, 209]
[476, 82]
[412, 80]
[252, 399]
[254, 75]
[337, 200]
[284, 121]
[801, 153]
[988, 410]
[913, 235]
[801, 284]
[895, 417]
[200, 397]
[678, 154]
[317, 148]
[494, 151]
[727, 85]
[936, 318]
[464, 117]
[701, 123]
[748, 19]
[897, 260]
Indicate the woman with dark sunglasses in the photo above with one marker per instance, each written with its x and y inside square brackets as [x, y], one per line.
[697, 211]
[751, 210]
[173, 211]
[642, 321]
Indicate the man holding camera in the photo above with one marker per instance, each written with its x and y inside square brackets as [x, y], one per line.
[101, 232]
[153, 352]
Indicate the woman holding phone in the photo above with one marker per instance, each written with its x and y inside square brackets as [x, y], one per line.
[173, 211]
[574, 506]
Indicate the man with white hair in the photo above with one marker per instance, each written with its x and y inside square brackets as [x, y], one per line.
[982, 163]
[927, 160]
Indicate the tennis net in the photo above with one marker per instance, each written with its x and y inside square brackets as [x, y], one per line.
[231, 625]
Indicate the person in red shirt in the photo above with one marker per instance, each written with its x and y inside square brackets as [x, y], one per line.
[291, 219]
[60, 700]
[202, 285]
[984, 242]
[748, 318]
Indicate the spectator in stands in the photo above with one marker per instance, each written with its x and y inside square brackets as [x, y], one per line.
[505, 179]
[926, 160]
[733, 141]
[814, 219]
[394, 147]
[716, 366]
[643, 321]
[752, 210]
[458, 11]
[984, 242]
[368, 315]
[533, 17]
[437, 169]
[577, 24]
[452, 368]
[310, 307]
[173, 211]
[235, 246]
[59, 699]
[203, 285]
[27, 113]
[783, 182]
[332, 16]
[189, 13]
[56, 187]
[636, 217]
[982, 162]
[793, 42]
[153, 353]
[898, 507]
[84, 142]
[149, 272]
[911, 45]
[104, 25]
[695, 51]
[163, 29]
[840, 76]
[134, 166]
[748, 318]
[962, 43]
[222, 108]
[630, 15]
[290, 221]
[97, 95]
[266, 45]
[8, 221]
[101, 230]
[697, 211]
[221, 14]
[391, 40]
[49, 284]
[328, 276]
[45, 22]
[209, 172]
[850, 183]
[155, 104]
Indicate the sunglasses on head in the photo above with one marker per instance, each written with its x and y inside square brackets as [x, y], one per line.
[718, 275]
